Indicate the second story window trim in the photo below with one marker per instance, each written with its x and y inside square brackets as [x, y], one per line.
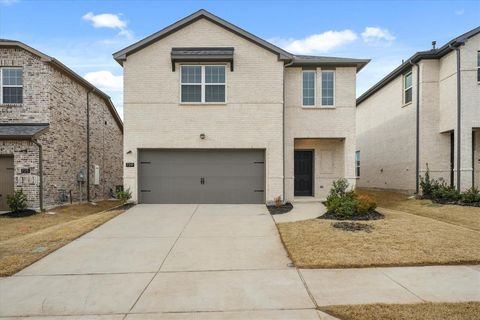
[203, 84]
[407, 88]
[478, 67]
[309, 92]
[328, 89]
[11, 85]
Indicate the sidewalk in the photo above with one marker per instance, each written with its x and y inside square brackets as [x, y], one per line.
[398, 285]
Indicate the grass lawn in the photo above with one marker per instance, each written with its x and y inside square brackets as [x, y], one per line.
[421, 311]
[401, 239]
[468, 217]
[25, 240]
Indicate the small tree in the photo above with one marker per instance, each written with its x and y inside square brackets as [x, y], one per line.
[124, 195]
[428, 185]
[17, 201]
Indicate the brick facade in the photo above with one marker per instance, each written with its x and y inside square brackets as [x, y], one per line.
[54, 97]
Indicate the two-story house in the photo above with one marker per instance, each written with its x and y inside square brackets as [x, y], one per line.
[60, 137]
[426, 111]
[214, 114]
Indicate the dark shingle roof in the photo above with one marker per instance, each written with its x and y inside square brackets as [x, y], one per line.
[21, 131]
[290, 59]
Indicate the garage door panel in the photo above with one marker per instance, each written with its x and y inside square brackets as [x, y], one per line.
[201, 176]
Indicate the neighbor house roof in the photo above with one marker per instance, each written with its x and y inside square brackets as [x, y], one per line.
[421, 55]
[63, 68]
[20, 131]
[283, 55]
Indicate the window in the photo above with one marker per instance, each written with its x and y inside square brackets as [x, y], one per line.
[203, 84]
[407, 87]
[357, 163]
[309, 88]
[11, 83]
[328, 88]
[478, 66]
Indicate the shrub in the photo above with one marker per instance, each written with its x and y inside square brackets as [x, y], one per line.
[17, 201]
[124, 195]
[345, 203]
[365, 204]
[344, 207]
[278, 201]
[472, 195]
[428, 185]
[446, 193]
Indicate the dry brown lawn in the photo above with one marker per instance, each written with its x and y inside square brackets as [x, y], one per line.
[26, 240]
[421, 311]
[15, 227]
[468, 217]
[401, 239]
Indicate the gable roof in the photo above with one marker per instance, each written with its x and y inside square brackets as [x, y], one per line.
[6, 43]
[421, 55]
[296, 60]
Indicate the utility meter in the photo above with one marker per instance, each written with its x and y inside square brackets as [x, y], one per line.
[81, 176]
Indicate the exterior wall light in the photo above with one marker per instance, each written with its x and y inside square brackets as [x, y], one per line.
[202, 136]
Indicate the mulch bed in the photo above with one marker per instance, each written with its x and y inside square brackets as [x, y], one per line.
[375, 215]
[287, 207]
[20, 213]
[353, 226]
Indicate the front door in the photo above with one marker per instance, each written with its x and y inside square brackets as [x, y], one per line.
[6, 180]
[303, 173]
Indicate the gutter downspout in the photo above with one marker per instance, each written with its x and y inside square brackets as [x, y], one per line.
[283, 129]
[88, 143]
[417, 138]
[459, 109]
[40, 171]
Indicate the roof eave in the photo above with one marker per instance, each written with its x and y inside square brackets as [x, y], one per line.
[121, 56]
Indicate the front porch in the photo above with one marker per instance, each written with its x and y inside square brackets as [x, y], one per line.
[312, 167]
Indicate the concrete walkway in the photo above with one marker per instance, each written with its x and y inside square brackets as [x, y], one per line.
[206, 262]
[301, 211]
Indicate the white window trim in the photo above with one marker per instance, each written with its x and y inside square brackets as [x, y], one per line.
[202, 84]
[478, 65]
[405, 88]
[9, 86]
[326, 106]
[314, 105]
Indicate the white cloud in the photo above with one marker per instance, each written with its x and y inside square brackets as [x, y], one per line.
[460, 12]
[8, 2]
[105, 80]
[317, 43]
[374, 34]
[109, 20]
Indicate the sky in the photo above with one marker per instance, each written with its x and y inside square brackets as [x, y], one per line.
[84, 34]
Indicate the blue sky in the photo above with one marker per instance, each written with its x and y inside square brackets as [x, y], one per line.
[84, 34]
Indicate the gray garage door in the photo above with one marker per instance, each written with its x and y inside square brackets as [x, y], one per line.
[201, 176]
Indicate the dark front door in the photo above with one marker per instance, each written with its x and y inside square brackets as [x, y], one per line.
[303, 173]
[6, 180]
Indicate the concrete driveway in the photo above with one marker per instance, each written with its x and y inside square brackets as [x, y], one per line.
[166, 262]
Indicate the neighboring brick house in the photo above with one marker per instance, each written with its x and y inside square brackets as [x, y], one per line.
[50, 114]
[414, 116]
[214, 114]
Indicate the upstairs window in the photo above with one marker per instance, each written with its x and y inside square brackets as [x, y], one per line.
[11, 85]
[328, 88]
[357, 163]
[203, 84]
[308, 88]
[478, 66]
[407, 87]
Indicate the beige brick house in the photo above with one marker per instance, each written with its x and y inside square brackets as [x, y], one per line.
[214, 114]
[425, 111]
[54, 127]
